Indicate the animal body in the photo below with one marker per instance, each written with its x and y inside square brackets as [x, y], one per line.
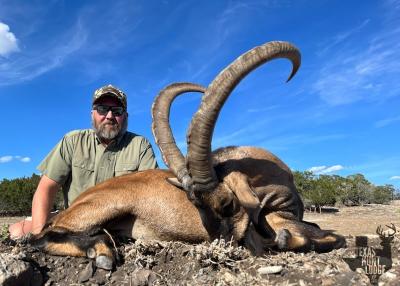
[244, 193]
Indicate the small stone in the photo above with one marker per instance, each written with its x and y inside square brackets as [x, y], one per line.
[388, 278]
[229, 278]
[360, 271]
[99, 277]
[270, 270]
[86, 273]
[143, 277]
[118, 275]
[328, 281]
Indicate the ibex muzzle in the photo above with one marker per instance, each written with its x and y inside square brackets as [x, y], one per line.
[244, 193]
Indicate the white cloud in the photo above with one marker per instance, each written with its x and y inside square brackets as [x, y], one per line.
[6, 159]
[360, 68]
[339, 38]
[8, 41]
[318, 170]
[386, 121]
[25, 159]
[395, 178]
[33, 63]
[262, 109]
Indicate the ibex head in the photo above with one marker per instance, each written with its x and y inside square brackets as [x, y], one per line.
[196, 173]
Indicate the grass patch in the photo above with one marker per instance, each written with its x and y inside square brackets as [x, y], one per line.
[3, 232]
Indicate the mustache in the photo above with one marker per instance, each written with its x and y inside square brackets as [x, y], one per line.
[109, 122]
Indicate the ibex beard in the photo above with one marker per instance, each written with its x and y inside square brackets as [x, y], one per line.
[242, 193]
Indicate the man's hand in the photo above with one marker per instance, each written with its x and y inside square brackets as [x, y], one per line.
[41, 206]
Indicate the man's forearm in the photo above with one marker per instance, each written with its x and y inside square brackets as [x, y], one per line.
[42, 203]
[40, 213]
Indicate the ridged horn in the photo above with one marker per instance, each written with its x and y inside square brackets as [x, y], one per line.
[199, 160]
[162, 132]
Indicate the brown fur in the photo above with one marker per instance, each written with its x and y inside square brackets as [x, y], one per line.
[152, 208]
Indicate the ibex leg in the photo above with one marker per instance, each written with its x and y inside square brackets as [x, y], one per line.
[295, 235]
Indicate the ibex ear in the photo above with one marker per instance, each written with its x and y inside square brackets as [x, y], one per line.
[175, 182]
[239, 185]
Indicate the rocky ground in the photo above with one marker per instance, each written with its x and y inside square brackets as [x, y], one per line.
[216, 263]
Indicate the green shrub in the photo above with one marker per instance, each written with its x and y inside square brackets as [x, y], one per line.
[382, 194]
[16, 195]
[321, 190]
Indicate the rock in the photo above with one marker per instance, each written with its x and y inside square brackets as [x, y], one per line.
[389, 278]
[118, 276]
[100, 277]
[328, 281]
[14, 271]
[270, 270]
[86, 273]
[228, 278]
[142, 277]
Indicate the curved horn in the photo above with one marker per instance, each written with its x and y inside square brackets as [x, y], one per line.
[199, 159]
[165, 141]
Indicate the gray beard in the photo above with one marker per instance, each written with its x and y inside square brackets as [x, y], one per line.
[109, 133]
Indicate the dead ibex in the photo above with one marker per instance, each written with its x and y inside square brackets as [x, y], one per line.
[244, 193]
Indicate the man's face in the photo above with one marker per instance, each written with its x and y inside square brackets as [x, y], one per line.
[109, 126]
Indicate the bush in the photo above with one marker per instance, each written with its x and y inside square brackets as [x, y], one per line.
[16, 195]
[382, 194]
[334, 190]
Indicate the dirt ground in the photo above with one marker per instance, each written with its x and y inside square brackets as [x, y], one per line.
[360, 220]
[220, 262]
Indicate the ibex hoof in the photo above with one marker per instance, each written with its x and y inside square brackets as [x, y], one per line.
[104, 262]
[91, 253]
[282, 239]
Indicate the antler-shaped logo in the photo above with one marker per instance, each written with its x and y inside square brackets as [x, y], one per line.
[386, 236]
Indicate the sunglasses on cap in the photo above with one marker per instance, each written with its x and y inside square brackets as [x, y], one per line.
[104, 109]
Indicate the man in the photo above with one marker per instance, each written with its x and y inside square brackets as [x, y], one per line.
[84, 158]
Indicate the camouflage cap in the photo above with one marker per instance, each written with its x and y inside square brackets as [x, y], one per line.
[110, 90]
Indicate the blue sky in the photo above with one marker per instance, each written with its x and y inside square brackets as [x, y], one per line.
[339, 115]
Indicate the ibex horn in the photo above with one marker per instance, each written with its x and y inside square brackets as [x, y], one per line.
[162, 132]
[199, 160]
